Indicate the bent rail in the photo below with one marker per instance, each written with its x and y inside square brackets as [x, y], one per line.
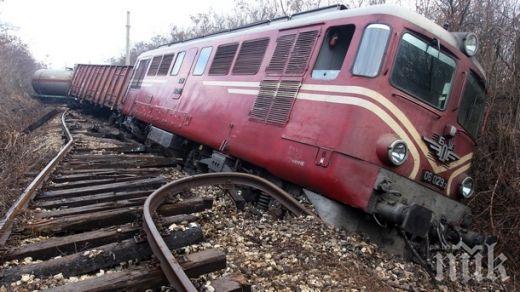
[7, 222]
[169, 265]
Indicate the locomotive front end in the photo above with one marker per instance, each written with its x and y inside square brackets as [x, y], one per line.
[437, 93]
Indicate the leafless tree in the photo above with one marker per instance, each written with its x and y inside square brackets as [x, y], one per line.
[497, 165]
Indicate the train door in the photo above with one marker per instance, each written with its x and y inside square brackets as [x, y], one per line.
[137, 94]
[181, 70]
[334, 58]
[284, 74]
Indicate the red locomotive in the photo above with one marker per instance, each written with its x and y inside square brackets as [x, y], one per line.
[377, 108]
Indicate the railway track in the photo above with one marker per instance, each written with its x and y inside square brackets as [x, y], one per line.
[98, 196]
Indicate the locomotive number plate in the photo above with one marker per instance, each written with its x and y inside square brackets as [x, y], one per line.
[434, 179]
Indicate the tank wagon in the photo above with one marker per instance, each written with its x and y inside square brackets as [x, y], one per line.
[375, 108]
[50, 83]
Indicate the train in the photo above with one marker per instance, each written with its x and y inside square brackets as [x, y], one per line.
[374, 109]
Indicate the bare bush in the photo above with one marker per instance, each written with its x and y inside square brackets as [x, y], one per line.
[497, 165]
[17, 110]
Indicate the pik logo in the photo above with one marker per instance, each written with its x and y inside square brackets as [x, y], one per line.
[442, 148]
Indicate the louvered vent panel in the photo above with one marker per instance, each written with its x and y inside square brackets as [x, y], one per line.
[264, 99]
[154, 66]
[250, 57]
[165, 65]
[223, 59]
[281, 54]
[301, 53]
[283, 102]
[275, 101]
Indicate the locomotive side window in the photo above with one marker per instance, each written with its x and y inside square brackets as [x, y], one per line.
[371, 50]
[139, 73]
[223, 58]
[202, 61]
[423, 71]
[154, 66]
[332, 53]
[472, 106]
[178, 63]
[165, 65]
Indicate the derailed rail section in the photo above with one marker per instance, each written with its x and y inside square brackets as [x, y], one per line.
[169, 265]
[29, 193]
[100, 84]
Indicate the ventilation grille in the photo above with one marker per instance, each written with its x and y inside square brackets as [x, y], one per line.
[154, 66]
[264, 99]
[292, 53]
[301, 52]
[223, 59]
[281, 53]
[283, 102]
[250, 57]
[274, 102]
[165, 65]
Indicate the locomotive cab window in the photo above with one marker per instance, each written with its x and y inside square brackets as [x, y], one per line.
[332, 53]
[472, 106]
[202, 61]
[178, 63]
[423, 71]
[371, 50]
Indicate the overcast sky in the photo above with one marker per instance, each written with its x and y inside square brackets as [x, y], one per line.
[65, 32]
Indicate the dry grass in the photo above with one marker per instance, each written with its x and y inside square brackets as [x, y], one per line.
[17, 153]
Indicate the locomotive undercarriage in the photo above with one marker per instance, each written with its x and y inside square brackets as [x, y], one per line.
[403, 218]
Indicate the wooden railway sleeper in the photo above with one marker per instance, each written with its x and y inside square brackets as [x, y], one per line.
[169, 265]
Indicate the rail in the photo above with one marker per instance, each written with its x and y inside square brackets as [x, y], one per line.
[6, 223]
[169, 265]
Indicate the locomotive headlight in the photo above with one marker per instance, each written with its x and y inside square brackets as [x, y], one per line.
[470, 44]
[397, 152]
[467, 187]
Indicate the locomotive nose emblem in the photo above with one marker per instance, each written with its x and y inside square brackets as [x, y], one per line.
[442, 148]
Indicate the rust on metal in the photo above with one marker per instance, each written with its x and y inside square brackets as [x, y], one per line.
[169, 265]
[21, 203]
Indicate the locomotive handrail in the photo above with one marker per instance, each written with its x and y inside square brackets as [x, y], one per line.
[21, 203]
[169, 265]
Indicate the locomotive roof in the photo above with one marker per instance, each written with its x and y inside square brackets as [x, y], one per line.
[300, 20]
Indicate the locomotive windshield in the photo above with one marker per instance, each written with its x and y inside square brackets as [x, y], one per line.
[423, 71]
[472, 106]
